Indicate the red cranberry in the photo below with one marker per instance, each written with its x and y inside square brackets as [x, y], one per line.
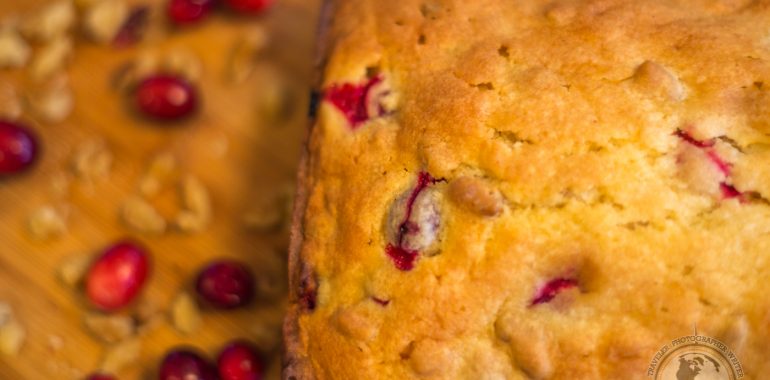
[688, 138]
[240, 361]
[186, 364]
[358, 102]
[225, 284]
[403, 254]
[552, 289]
[380, 301]
[402, 258]
[185, 12]
[249, 6]
[166, 97]
[729, 192]
[18, 148]
[117, 276]
[100, 376]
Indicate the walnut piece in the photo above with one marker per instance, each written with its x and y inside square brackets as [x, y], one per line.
[109, 328]
[160, 170]
[54, 102]
[51, 22]
[185, 63]
[10, 102]
[356, 323]
[121, 355]
[92, 160]
[103, 19]
[185, 313]
[657, 79]
[242, 60]
[12, 333]
[51, 58]
[72, 269]
[47, 222]
[196, 214]
[432, 358]
[141, 216]
[14, 51]
[476, 195]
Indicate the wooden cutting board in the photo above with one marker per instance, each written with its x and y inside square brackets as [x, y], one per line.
[239, 146]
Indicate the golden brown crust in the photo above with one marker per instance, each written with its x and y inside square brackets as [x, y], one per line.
[532, 189]
[295, 362]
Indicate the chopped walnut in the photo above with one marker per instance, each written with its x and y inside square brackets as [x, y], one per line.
[92, 160]
[185, 63]
[12, 333]
[356, 322]
[277, 101]
[60, 184]
[197, 206]
[529, 344]
[242, 60]
[476, 195]
[267, 214]
[54, 102]
[148, 315]
[185, 313]
[121, 355]
[14, 51]
[55, 343]
[432, 358]
[103, 19]
[50, 22]
[130, 73]
[6, 313]
[10, 102]
[51, 58]
[72, 269]
[140, 215]
[47, 222]
[161, 168]
[657, 79]
[109, 328]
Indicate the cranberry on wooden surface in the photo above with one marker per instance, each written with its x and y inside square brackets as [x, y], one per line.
[249, 6]
[165, 97]
[116, 277]
[186, 12]
[239, 360]
[18, 148]
[186, 364]
[100, 376]
[225, 284]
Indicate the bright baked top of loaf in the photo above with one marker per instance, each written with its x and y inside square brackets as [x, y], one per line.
[532, 189]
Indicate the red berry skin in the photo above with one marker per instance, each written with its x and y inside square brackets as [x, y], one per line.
[186, 364]
[166, 97]
[187, 12]
[117, 276]
[100, 376]
[252, 7]
[225, 284]
[551, 289]
[239, 360]
[18, 148]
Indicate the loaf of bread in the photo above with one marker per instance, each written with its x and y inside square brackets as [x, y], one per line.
[499, 189]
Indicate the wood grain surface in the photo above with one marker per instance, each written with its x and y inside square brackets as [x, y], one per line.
[239, 145]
